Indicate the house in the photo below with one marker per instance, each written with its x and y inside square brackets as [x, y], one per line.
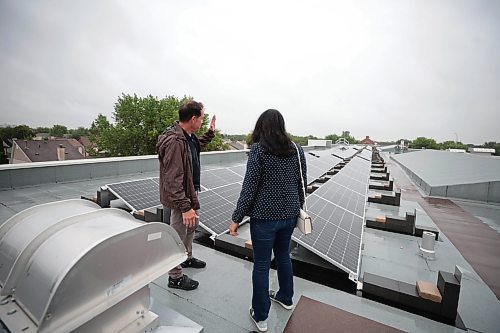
[367, 141]
[25, 151]
[482, 151]
[87, 144]
[237, 145]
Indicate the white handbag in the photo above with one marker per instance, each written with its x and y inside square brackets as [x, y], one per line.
[304, 222]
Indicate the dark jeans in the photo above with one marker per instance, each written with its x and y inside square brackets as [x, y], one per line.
[268, 235]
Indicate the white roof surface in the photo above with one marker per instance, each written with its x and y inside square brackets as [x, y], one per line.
[438, 168]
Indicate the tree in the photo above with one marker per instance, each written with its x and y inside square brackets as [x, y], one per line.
[58, 131]
[79, 132]
[422, 142]
[42, 130]
[345, 134]
[137, 123]
[494, 145]
[17, 132]
[452, 145]
[333, 137]
[300, 140]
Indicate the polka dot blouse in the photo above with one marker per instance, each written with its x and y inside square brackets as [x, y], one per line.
[272, 188]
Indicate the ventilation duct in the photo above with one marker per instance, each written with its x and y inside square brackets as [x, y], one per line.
[72, 266]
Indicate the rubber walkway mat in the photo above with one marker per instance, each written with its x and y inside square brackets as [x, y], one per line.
[313, 316]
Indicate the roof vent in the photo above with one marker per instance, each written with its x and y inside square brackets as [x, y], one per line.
[98, 279]
[427, 248]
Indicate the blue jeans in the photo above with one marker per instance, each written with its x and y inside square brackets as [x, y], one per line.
[268, 235]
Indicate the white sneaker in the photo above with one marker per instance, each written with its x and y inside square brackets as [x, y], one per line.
[261, 325]
[272, 296]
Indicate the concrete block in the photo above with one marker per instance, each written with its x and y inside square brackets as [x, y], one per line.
[382, 287]
[449, 287]
[429, 290]
[408, 296]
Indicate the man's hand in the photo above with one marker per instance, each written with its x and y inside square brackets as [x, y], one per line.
[212, 124]
[189, 218]
[233, 228]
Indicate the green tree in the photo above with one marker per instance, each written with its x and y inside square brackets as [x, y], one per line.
[452, 145]
[333, 137]
[234, 137]
[79, 132]
[345, 134]
[137, 123]
[101, 132]
[300, 140]
[16, 132]
[493, 145]
[422, 142]
[58, 131]
[8, 133]
[42, 130]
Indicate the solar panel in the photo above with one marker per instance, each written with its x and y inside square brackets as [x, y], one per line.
[342, 196]
[338, 210]
[217, 208]
[221, 190]
[365, 154]
[336, 236]
[343, 152]
[319, 163]
[239, 169]
[137, 194]
[211, 179]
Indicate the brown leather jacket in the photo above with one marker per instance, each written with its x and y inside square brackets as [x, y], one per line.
[176, 168]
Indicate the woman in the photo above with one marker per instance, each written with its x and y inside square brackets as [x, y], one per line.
[272, 196]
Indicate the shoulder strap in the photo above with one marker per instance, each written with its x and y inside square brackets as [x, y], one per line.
[301, 176]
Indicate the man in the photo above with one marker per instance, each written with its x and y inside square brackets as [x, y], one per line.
[179, 154]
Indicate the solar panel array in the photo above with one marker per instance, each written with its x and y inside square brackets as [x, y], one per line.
[337, 209]
[319, 163]
[220, 191]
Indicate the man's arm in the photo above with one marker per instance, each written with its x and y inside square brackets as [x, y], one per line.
[209, 135]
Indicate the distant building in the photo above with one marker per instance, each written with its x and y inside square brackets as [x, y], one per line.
[482, 151]
[25, 151]
[367, 141]
[87, 144]
[319, 143]
[42, 136]
[237, 145]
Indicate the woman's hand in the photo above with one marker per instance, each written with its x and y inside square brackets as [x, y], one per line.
[233, 228]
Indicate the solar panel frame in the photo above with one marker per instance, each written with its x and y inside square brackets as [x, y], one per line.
[147, 197]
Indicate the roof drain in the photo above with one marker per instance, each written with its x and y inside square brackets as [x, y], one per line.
[427, 248]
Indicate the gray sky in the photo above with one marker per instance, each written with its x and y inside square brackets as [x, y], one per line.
[388, 69]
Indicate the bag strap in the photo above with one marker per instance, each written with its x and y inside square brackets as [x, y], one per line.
[301, 176]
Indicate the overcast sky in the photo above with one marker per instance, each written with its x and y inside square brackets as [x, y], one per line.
[387, 69]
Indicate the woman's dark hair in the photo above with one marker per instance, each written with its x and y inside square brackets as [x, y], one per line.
[271, 134]
[188, 109]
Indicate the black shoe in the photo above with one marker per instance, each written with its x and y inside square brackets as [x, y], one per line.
[193, 263]
[184, 283]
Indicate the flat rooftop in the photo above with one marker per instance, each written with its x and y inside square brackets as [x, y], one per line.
[221, 302]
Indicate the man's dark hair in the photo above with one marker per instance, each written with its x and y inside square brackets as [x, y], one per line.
[188, 109]
[271, 134]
